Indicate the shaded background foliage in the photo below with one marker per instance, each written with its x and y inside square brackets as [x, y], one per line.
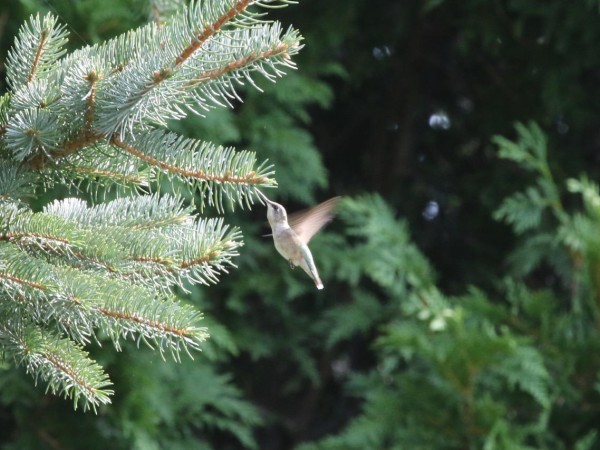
[402, 99]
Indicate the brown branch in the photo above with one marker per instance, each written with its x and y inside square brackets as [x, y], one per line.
[79, 255]
[204, 259]
[211, 30]
[86, 137]
[183, 265]
[68, 370]
[238, 64]
[198, 174]
[154, 260]
[23, 282]
[15, 236]
[38, 55]
[83, 140]
[85, 258]
[92, 78]
[142, 321]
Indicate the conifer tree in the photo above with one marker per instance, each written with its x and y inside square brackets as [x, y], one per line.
[97, 119]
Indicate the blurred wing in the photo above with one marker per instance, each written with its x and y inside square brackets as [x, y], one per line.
[307, 223]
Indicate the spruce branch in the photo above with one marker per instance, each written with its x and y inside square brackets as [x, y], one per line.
[76, 273]
[39, 45]
[150, 211]
[169, 76]
[15, 182]
[234, 9]
[161, 243]
[100, 165]
[32, 131]
[81, 302]
[164, 322]
[159, 87]
[62, 364]
[119, 238]
[201, 165]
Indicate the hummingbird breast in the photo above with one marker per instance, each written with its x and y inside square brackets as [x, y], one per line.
[288, 245]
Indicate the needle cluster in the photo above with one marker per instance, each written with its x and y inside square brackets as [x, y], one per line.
[97, 118]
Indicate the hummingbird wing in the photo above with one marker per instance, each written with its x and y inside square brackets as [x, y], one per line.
[308, 223]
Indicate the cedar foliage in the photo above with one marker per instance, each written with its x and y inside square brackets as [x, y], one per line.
[512, 370]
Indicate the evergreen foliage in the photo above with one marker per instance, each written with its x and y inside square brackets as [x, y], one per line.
[475, 371]
[95, 118]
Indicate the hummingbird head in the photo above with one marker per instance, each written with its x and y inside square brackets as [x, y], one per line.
[275, 212]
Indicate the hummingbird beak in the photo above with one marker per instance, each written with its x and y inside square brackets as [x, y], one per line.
[264, 198]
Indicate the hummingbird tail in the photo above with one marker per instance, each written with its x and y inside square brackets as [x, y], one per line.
[317, 279]
[314, 275]
[309, 267]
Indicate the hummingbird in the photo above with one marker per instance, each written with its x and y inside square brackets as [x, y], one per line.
[291, 236]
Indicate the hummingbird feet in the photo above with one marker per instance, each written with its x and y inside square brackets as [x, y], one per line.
[292, 266]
